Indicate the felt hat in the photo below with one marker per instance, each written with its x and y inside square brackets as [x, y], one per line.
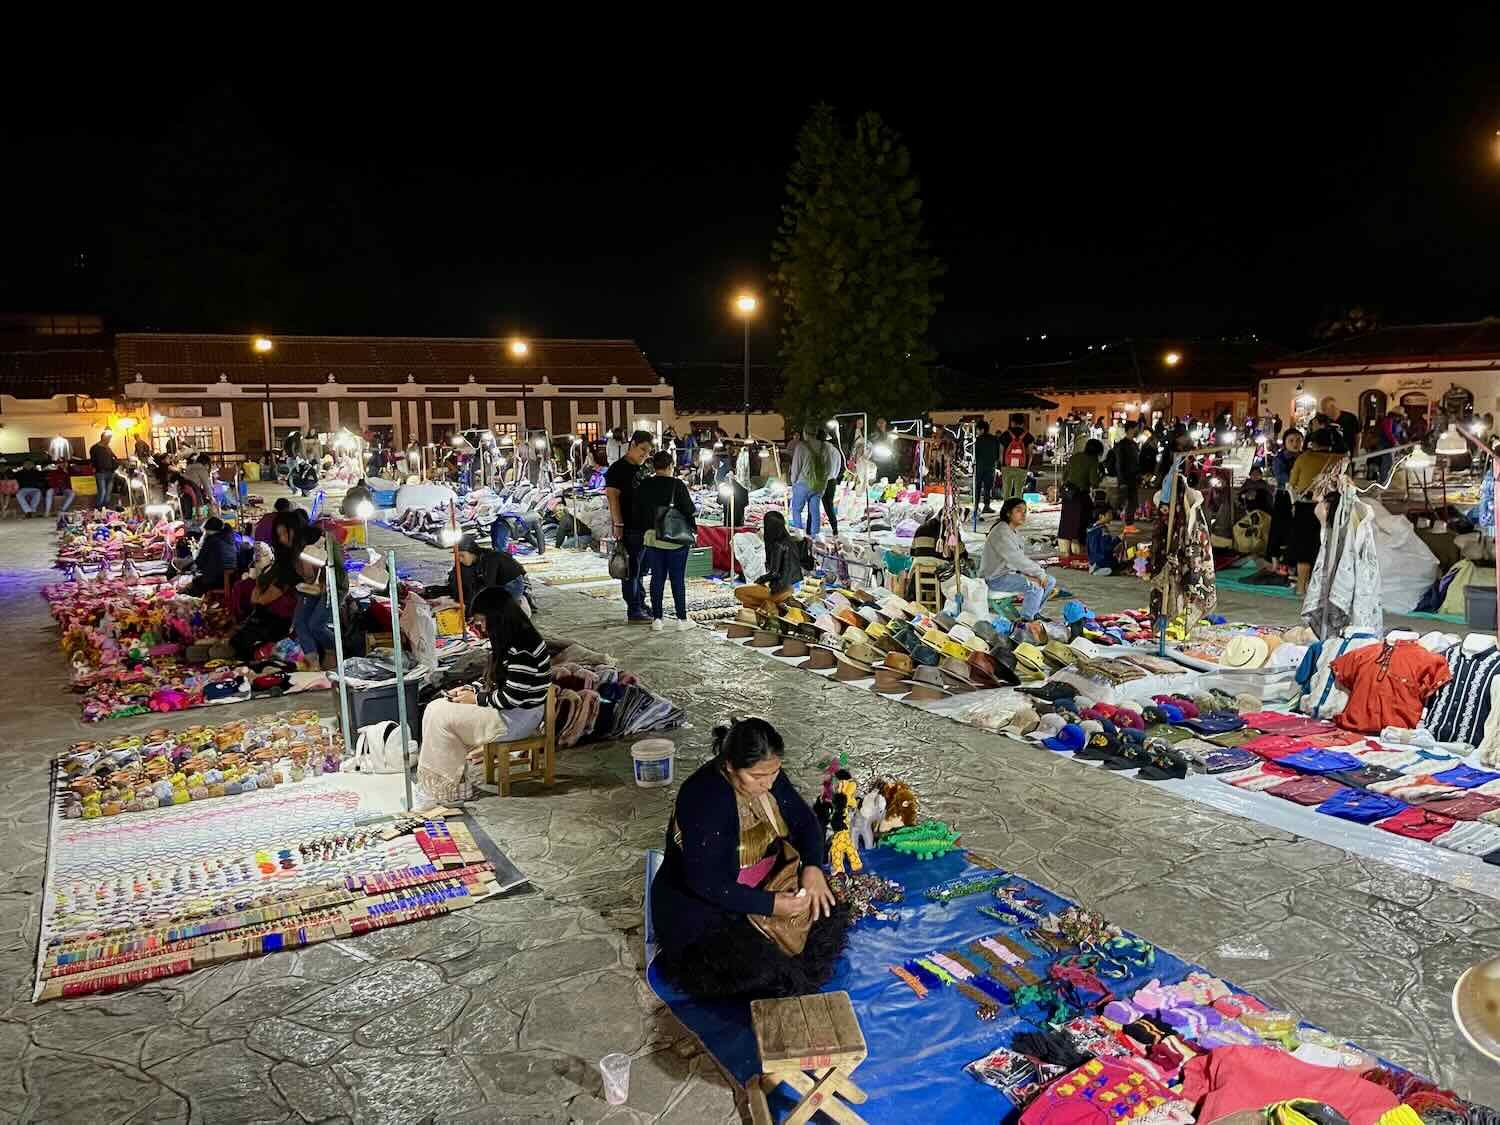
[984, 669]
[737, 631]
[792, 646]
[888, 681]
[1029, 657]
[925, 693]
[945, 621]
[1023, 722]
[926, 675]
[764, 638]
[958, 673]
[986, 631]
[864, 653]
[899, 662]
[820, 659]
[849, 617]
[852, 670]
[1244, 652]
[926, 654]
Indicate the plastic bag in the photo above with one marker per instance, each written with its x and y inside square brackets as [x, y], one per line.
[419, 629]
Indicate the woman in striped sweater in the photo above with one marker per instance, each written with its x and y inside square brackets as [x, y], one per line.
[510, 704]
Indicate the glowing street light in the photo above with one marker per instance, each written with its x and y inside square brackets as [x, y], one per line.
[262, 344]
[745, 305]
[1172, 359]
[882, 451]
[519, 348]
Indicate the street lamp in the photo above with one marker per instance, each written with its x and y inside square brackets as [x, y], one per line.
[745, 305]
[261, 346]
[1172, 359]
[519, 348]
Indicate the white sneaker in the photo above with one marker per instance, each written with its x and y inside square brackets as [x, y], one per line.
[683, 625]
[657, 626]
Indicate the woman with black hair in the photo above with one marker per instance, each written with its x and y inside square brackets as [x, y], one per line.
[783, 565]
[510, 704]
[272, 596]
[737, 821]
[1084, 473]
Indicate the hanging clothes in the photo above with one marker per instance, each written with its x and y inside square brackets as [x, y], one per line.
[1343, 590]
[1460, 711]
[1388, 685]
[1182, 558]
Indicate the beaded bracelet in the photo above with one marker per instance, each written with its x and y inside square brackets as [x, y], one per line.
[928, 978]
[952, 967]
[935, 969]
[916, 986]
[986, 1009]
[961, 888]
[994, 989]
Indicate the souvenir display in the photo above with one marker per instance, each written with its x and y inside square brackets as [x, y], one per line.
[99, 537]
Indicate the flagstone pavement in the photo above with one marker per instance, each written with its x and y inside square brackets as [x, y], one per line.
[499, 1014]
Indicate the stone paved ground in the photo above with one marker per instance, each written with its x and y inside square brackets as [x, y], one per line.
[499, 1014]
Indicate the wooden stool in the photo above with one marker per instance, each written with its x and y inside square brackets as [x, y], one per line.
[926, 590]
[535, 755]
[812, 1043]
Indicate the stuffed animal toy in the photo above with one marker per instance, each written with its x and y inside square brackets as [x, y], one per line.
[900, 805]
[842, 846]
[867, 818]
[927, 840]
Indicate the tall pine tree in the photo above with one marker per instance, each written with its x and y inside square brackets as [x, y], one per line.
[854, 274]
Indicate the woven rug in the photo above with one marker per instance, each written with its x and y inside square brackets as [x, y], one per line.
[130, 899]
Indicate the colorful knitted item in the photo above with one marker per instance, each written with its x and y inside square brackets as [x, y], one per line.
[927, 840]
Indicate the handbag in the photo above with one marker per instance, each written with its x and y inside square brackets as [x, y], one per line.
[789, 933]
[619, 561]
[672, 527]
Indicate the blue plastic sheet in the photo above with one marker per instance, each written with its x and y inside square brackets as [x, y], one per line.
[918, 1047]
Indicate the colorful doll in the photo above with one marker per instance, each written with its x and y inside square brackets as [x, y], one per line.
[842, 846]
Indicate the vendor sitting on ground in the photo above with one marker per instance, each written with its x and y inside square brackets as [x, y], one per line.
[359, 493]
[731, 819]
[1106, 551]
[271, 599]
[264, 527]
[783, 565]
[217, 556]
[512, 707]
[479, 569]
[1005, 566]
[1255, 493]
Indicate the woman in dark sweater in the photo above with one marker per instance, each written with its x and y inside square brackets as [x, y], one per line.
[729, 818]
[665, 559]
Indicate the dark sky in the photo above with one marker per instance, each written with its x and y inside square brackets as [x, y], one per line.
[1156, 190]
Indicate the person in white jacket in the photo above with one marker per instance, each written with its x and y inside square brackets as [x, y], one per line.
[1007, 568]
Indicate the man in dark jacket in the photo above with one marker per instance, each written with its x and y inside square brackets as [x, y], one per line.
[103, 458]
[217, 556]
[1128, 468]
[986, 458]
[32, 482]
[478, 570]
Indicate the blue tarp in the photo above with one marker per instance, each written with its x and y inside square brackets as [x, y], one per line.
[918, 1047]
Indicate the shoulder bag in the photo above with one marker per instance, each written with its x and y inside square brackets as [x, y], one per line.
[789, 933]
[672, 527]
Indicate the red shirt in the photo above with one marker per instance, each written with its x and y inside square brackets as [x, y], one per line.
[1387, 685]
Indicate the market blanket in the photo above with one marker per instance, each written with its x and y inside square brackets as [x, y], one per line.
[1236, 578]
[918, 1047]
[717, 538]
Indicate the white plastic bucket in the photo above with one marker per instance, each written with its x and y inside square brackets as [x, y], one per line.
[653, 762]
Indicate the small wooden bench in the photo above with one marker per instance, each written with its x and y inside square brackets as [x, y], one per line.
[535, 756]
[812, 1043]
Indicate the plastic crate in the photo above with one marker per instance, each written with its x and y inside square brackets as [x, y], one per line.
[700, 562]
[378, 705]
[1479, 601]
[383, 499]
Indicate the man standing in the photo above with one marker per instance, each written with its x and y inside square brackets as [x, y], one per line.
[1015, 455]
[1128, 467]
[986, 458]
[103, 458]
[630, 526]
[1346, 422]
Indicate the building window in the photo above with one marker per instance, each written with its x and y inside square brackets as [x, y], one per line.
[507, 430]
[588, 431]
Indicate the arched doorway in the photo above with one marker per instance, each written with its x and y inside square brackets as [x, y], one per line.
[1415, 405]
[1372, 407]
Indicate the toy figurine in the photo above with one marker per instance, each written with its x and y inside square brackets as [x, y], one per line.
[900, 805]
[868, 817]
[927, 840]
[842, 847]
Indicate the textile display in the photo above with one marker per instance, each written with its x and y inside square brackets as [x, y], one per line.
[98, 536]
[717, 538]
[1344, 590]
[1182, 566]
[1016, 1019]
[131, 899]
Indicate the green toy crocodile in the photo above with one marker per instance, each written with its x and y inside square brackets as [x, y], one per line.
[926, 840]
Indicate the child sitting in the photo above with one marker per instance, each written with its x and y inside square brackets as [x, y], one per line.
[1106, 551]
[1255, 493]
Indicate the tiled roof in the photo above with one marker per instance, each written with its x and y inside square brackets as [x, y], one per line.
[1203, 365]
[1410, 343]
[180, 358]
[42, 366]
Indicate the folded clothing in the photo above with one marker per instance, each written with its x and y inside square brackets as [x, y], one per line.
[1320, 761]
[1361, 806]
[1419, 824]
[1466, 777]
[1266, 775]
[1306, 790]
[1236, 1078]
[1471, 838]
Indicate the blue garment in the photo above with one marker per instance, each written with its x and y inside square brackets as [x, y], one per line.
[630, 585]
[1101, 545]
[218, 556]
[1361, 806]
[665, 564]
[803, 496]
[312, 624]
[1032, 596]
[1313, 760]
[1281, 467]
[1466, 777]
[1215, 722]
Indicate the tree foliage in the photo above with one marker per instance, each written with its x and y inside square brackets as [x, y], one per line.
[854, 274]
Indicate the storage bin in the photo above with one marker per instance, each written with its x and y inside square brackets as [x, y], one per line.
[700, 562]
[378, 705]
[354, 532]
[383, 499]
[1479, 600]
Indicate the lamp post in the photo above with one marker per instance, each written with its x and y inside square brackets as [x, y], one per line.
[519, 349]
[262, 346]
[745, 305]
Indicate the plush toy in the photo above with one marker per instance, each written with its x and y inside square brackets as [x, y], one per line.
[900, 805]
[842, 846]
[867, 818]
[927, 840]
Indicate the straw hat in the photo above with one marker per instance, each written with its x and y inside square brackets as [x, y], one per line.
[855, 636]
[976, 644]
[1030, 657]
[950, 647]
[898, 661]
[826, 624]
[961, 633]
[888, 681]
[864, 654]
[1244, 652]
[792, 646]
[765, 638]
[747, 616]
[848, 617]
[738, 631]
[820, 659]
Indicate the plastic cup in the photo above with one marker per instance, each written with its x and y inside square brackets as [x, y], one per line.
[616, 1071]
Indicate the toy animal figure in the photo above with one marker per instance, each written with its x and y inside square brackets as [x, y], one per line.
[867, 818]
[927, 840]
[842, 847]
[900, 805]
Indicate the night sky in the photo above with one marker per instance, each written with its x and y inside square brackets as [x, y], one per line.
[1141, 192]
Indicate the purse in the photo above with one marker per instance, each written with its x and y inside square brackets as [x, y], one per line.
[672, 527]
[790, 933]
[619, 561]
